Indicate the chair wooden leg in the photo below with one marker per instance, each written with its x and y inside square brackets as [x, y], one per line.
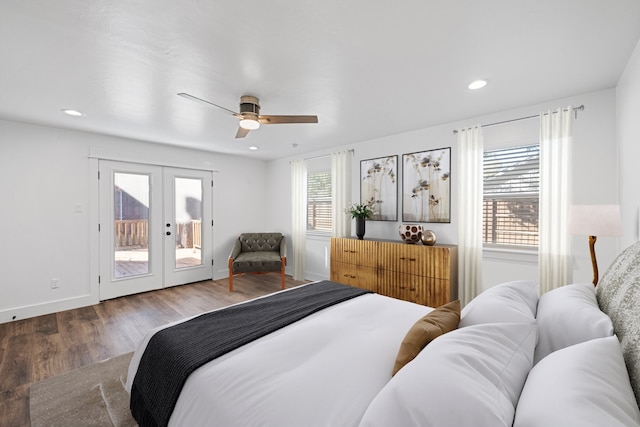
[283, 273]
[230, 275]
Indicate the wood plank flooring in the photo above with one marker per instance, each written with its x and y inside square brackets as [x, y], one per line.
[42, 347]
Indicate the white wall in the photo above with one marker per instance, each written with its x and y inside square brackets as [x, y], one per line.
[628, 97]
[279, 217]
[594, 177]
[45, 173]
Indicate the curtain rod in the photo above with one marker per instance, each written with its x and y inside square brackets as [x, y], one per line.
[580, 108]
[351, 150]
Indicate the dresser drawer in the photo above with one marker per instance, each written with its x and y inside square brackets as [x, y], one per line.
[419, 260]
[354, 275]
[351, 251]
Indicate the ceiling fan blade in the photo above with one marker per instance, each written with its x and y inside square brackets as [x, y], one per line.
[195, 98]
[242, 132]
[276, 120]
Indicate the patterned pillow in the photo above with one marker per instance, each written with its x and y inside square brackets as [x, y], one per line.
[618, 295]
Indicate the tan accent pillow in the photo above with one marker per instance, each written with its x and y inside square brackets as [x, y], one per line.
[438, 322]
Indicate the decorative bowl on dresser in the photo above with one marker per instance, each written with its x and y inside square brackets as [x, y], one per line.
[410, 233]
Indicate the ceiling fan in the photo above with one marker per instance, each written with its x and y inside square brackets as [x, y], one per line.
[250, 117]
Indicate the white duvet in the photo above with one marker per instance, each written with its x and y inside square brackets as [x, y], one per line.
[321, 371]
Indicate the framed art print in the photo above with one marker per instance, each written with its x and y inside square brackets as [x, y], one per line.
[426, 186]
[378, 187]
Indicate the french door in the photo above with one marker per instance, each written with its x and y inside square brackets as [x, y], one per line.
[155, 227]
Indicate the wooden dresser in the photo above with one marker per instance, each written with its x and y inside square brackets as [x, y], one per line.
[422, 274]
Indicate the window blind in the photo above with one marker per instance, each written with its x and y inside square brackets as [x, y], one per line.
[511, 192]
[319, 201]
[512, 171]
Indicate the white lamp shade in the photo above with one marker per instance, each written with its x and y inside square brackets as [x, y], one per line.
[595, 220]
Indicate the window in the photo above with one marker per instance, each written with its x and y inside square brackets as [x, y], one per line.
[319, 201]
[511, 190]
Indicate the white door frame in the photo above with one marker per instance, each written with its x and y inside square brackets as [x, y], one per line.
[189, 274]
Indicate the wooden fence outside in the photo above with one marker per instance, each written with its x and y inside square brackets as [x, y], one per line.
[196, 231]
[134, 233]
[131, 233]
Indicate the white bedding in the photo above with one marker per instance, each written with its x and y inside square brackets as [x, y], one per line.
[321, 371]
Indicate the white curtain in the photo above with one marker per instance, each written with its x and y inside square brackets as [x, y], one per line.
[298, 216]
[470, 159]
[340, 193]
[554, 253]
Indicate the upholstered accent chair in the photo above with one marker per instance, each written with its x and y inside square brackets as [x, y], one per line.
[258, 253]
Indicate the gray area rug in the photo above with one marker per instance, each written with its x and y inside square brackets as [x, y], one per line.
[90, 396]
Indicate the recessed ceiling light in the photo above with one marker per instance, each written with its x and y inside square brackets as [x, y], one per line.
[253, 148]
[74, 113]
[478, 84]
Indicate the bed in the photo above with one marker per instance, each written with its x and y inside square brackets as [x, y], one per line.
[570, 357]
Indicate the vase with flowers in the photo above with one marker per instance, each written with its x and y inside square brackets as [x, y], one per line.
[360, 211]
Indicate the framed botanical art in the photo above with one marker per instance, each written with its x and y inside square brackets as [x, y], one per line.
[426, 186]
[378, 187]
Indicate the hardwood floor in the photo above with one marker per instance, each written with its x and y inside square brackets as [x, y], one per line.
[42, 347]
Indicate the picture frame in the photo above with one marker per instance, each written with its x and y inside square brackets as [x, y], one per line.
[426, 186]
[379, 187]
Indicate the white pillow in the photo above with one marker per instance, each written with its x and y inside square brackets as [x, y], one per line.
[582, 385]
[569, 315]
[510, 302]
[467, 377]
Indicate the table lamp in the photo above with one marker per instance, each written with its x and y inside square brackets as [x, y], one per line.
[592, 221]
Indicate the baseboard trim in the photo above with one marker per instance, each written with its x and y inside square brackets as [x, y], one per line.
[25, 312]
[315, 277]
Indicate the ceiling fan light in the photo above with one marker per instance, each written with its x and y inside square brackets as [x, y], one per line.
[249, 124]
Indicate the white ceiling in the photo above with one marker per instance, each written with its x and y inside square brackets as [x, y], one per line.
[367, 68]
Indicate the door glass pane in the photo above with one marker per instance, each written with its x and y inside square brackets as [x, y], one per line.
[131, 224]
[188, 219]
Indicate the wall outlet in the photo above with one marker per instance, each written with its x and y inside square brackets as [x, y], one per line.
[55, 283]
